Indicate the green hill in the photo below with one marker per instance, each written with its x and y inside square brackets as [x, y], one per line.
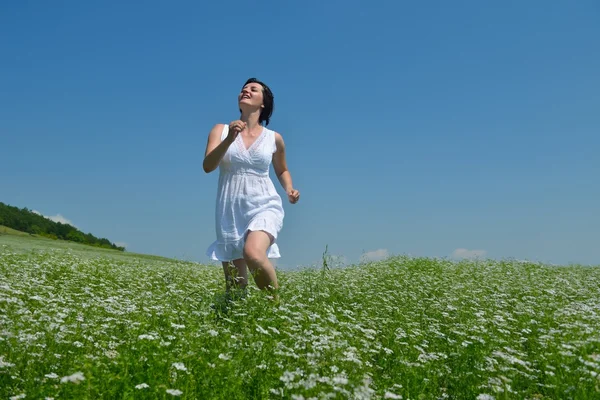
[5, 230]
[25, 243]
[22, 221]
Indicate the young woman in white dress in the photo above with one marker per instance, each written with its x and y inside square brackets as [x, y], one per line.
[249, 212]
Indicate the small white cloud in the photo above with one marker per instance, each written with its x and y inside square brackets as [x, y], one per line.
[55, 218]
[375, 255]
[470, 254]
[61, 219]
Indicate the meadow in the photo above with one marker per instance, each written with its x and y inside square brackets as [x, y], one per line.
[77, 324]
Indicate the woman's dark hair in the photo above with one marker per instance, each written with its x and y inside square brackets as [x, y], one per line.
[268, 101]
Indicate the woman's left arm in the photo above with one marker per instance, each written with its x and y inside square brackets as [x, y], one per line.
[282, 172]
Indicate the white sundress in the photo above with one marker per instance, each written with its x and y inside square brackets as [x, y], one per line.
[246, 197]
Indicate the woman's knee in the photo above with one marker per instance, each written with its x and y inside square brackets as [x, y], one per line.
[255, 248]
[253, 254]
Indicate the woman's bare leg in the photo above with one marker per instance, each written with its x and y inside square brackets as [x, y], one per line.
[236, 274]
[255, 255]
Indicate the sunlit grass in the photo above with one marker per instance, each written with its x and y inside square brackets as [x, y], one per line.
[85, 327]
[5, 230]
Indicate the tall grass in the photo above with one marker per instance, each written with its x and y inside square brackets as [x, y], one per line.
[99, 328]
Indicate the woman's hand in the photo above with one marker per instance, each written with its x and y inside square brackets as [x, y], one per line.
[293, 196]
[235, 128]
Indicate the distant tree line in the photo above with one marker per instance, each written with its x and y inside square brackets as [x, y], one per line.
[25, 220]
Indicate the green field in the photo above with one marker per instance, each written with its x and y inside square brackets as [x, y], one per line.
[83, 323]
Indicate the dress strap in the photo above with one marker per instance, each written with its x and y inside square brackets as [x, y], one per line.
[273, 142]
[225, 132]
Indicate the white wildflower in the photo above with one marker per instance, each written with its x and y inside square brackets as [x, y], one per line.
[351, 356]
[179, 366]
[485, 396]
[287, 377]
[390, 395]
[213, 333]
[111, 353]
[262, 330]
[51, 376]
[224, 356]
[512, 359]
[174, 392]
[142, 386]
[5, 364]
[177, 326]
[340, 380]
[18, 397]
[75, 378]
[147, 337]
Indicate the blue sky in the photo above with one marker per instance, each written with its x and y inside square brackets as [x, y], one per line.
[433, 129]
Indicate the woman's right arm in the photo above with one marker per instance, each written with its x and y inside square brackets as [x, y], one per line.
[215, 148]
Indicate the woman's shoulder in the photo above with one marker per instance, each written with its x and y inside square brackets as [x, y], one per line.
[273, 133]
[218, 127]
[219, 130]
[277, 139]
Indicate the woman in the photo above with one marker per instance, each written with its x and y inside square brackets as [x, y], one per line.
[249, 212]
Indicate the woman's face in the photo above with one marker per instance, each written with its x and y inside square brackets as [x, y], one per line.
[251, 95]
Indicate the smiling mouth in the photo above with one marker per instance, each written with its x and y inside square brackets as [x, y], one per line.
[245, 97]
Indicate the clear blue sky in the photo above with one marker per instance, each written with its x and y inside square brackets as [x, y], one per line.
[416, 128]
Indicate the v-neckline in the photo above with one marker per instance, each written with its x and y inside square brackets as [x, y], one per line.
[253, 143]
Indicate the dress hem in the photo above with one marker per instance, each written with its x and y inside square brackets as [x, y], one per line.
[218, 252]
[227, 251]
